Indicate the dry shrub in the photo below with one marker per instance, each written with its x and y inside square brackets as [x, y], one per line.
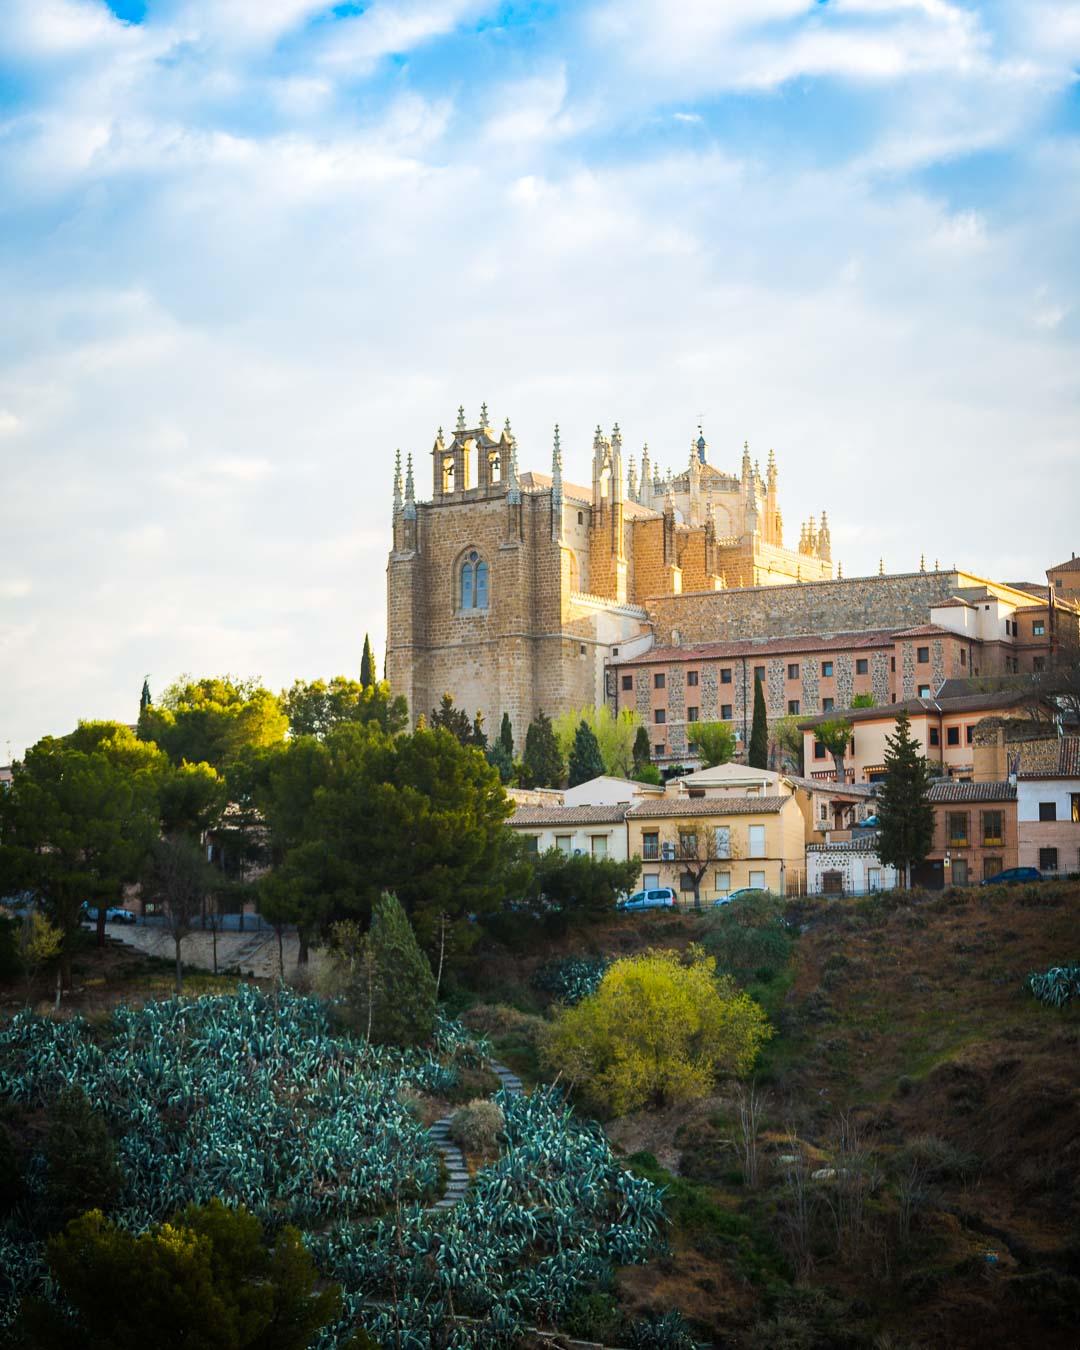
[500, 1019]
[477, 1127]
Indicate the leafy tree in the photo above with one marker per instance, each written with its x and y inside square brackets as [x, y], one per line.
[367, 665]
[180, 879]
[542, 764]
[506, 736]
[864, 701]
[78, 822]
[145, 700]
[585, 761]
[207, 1278]
[214, 720]
[642, 751]
[658, 1030]
[649, 773]
[905, 816]
[834, 734]
[583, 887]
[749, 940]
[615, 736]
[39, 942]
[191, 799]
[758, 757]
[392, 993]
[82, 1171]
[698, 848]
[451, 719]
[788, 740]
[714, 742]
[314, 707]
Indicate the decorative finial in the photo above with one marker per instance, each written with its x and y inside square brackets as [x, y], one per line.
[937, 566]
[460, 417]
[410, 489]
[397, 482]
[439, 436]
[839, 571]
[556, 452]
[922, 562]
[881, 567]
[483, 415]
[616, 439]
[506, 430]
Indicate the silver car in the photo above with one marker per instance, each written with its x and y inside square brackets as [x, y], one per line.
[662, 897]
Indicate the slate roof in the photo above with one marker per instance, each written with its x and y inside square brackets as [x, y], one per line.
[568, 815]
[972, 792]
[708, 806]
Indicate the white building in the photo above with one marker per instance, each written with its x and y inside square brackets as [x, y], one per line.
[848, 867]
[599, 831]
[1048, 804]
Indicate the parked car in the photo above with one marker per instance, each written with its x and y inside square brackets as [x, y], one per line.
[870, 823]
[744, 893]
[114, 914]
[1013, 876]
[663, 897]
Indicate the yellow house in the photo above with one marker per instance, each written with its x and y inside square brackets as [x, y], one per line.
[719, 844]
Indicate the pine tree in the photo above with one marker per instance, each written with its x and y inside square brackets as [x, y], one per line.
[479, 735]
[586, 761]
[367, 665]
[403, 997]
[454, 720]
[506, 736]
[144, 698]
[759, 732]
[543, 763]
[642, 752]
[904, 811]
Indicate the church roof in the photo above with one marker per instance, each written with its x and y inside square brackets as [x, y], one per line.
[575, 492]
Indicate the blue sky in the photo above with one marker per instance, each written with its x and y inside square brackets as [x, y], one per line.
[249, 247]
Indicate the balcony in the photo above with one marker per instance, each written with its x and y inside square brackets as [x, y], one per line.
[829, 776]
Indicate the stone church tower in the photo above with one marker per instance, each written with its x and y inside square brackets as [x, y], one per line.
[512, 590]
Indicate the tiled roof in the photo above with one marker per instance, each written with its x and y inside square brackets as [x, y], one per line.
[708, 806]
[577, 493]
[568, 815]
[966, 703]
[926, 630]
[867, 842]
[832, 788]
[1057, 757]
[972, 792]
[954, 603]
[1031, 587]
[752, 647]
[1072, 565]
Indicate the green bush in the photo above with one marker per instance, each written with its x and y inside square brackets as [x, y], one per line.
[749, 939]
[1056, 986]
[80, 1156]
[596, 1317]
[478, 1126]
[572, 978]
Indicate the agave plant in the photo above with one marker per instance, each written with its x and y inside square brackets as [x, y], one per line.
[1056, 986]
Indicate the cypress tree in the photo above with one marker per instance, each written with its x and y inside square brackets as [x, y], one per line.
[144, 698]
[586, 761]
[759, 732]
[543, 761]
[642, 752]
[401, 987]
[904, 811]
[479, 735]
[506, 735]
[367, 665]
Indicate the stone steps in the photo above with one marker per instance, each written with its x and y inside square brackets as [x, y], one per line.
[457, 1181]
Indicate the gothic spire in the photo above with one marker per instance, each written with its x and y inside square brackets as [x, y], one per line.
[460, 417]
[397, 482]
[616, 439]
[556, 488]
[513, 487]
[410, 490]
[631, 480]
[770, 469]
[483, 416]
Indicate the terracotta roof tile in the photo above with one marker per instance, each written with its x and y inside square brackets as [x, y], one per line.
[568, 815]
[972, 792]
[1071, 565]
[1057, 757]
[926, 630]
[751, 647]
[708, 806]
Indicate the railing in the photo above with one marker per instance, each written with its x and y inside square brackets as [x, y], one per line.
[829, 776]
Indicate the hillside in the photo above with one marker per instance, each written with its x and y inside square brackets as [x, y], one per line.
[941, 1098]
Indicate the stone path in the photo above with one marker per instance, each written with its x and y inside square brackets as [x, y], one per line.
[457, 1181]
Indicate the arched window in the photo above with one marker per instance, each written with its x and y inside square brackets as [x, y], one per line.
[474, 582]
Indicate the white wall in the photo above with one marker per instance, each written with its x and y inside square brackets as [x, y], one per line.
[855, 867]
[580, 836]
[1031, 791]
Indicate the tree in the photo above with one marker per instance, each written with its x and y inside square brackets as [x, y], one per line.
[713, 741]
[905, 816]
[207, 1278]
[392, 992]
[649, 773]
[642, 751]
[180, 879]
[499, 759]
[315, 707]
[758, 757]
[454, 720]
[788, 740]
[81, 1168]
[698, 847]
[145, 700]
[585, 760]
[864, 701]
[367, 665]
[479, 735]
[542, 763]
[78, 821]
[213, 720]
[506, 736]
[615, 735]
[583, 888]
[191, 799]
[834, 734]
[657, 1031]
[39, 942]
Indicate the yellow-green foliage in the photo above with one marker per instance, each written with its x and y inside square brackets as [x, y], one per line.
[659, 1029]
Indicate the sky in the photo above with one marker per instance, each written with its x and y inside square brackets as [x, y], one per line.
[248, 248]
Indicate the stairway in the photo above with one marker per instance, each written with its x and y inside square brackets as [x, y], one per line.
[458, 1174]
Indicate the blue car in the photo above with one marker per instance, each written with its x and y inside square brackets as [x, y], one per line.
[1013, 876]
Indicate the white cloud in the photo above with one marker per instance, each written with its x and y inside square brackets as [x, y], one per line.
[15, 588]
[9, 423]
[391, 27]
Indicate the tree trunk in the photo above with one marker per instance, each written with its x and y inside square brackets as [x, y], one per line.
[442, 951]
[178, 938]
[302, 947]
[64, 974]
[838, 761]
[281, 953]
[101, 925]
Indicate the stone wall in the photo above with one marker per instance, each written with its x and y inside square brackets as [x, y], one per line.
[822, 607]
